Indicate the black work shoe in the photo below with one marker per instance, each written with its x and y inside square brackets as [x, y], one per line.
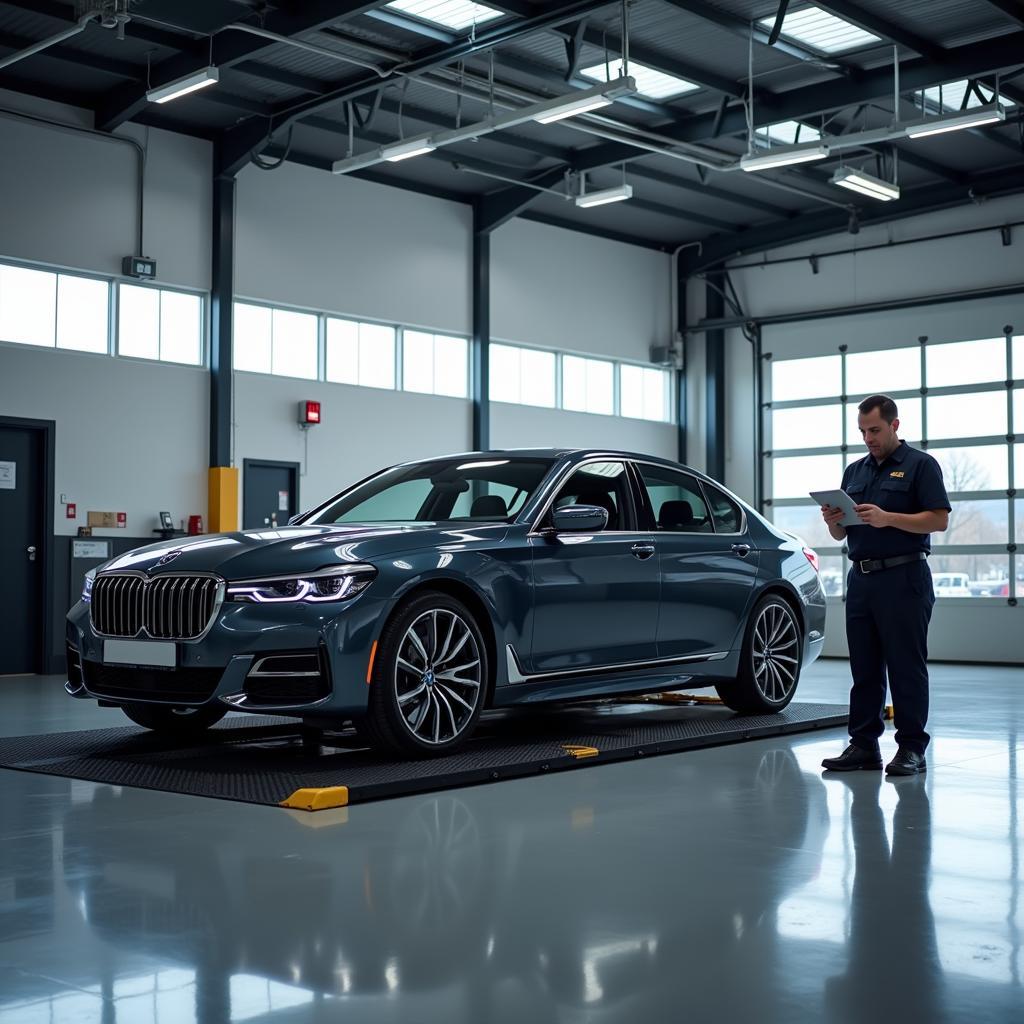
[854, 759]
[906, 762]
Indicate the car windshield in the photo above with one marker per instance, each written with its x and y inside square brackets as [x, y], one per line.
[479, 490]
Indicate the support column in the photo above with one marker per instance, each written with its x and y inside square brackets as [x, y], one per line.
[481, 334]
[223, 477]
[714, 340]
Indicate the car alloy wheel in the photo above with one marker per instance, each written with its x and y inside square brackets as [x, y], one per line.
[438, 676]
[775, 651]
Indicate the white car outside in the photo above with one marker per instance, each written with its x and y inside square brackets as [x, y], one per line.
[951, 584]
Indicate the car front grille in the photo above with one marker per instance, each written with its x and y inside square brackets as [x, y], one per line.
[168, 607]
[189, 685]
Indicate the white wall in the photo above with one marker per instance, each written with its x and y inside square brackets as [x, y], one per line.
[71, 199]
[572, 291]
[132, 436]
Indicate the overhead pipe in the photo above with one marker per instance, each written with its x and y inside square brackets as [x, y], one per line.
[45, 44]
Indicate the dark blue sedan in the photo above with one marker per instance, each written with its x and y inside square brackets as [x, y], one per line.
[432, 590]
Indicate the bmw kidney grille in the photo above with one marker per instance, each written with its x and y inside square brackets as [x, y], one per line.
[168, 607]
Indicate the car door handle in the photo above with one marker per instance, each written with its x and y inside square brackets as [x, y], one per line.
[642, 550]
[741, 549]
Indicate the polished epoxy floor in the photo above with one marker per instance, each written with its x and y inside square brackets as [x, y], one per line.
[732, 884]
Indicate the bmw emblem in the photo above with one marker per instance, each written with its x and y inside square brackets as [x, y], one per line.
[169, 557]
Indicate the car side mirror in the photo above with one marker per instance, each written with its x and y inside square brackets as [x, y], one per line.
[579, 519]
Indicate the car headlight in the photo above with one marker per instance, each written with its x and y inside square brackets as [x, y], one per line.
[339, 583]
[87, 585]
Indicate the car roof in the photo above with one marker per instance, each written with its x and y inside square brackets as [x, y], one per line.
[576, 454]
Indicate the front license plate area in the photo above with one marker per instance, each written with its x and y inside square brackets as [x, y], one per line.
[150, 653]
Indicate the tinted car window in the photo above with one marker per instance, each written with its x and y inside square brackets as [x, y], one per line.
[603, 484]
[443, 490]
[676, 500]
[725, 512]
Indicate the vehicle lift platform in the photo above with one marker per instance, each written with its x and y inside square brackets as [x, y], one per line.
[276, 761]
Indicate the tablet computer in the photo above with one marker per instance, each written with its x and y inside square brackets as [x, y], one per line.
[839, 499]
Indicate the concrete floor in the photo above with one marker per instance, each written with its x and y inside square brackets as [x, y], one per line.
[732, 884]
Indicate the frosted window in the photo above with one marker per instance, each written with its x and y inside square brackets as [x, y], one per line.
[82, 313]
[505, 383]
[644, 393]
[588, 385]
[805, 521]
[1018, 359]
[138, 322]
[522, 375]
[359, 353]
[453, 14]
[819, 377]
[814, 426]
[796, 477]
[983, 468]
[418, 361]
[649, 81]
[294, 344]
[976, 522]
[252, 341]
[881, 373]
[966, 415]
[435, 364]
[966, 362]
[181, 328]
[28, 306]
[909, 428]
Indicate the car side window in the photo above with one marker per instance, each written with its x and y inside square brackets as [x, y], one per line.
[676, 500]
[724, 511]
[603, 484]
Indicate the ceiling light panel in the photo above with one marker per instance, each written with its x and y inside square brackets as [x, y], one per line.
[789, 132]
[821, 31]
[454, 14]
[655, 85]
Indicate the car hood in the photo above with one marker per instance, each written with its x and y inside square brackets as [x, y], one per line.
[251, 553]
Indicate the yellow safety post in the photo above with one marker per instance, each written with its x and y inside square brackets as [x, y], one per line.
[223, 499]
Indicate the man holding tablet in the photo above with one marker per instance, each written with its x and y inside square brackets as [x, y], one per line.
[899, 498]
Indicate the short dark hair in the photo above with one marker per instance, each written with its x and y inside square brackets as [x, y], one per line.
[883, 403]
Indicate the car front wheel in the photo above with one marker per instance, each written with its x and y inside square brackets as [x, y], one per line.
[429, 679]
[769, 661]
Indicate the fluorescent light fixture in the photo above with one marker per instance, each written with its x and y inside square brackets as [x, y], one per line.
[988, 114]
[453, 14]
[605, 195]
[657, 85]
[183, 86]
[782, 157]
[821, 31]
[866, 184]
[405, 150]
[573, 107]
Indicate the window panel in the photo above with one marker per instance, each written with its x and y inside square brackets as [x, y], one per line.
[881, 373]
[644, 393]
[976, 522]
[832, 573]
[727, 515]
[505, 373]
[83, 306]
[1017, 351]
[538, 378]
[376, 356]
[342, 344]
[805, 521]
[676, 501]
[818, 377]
[956, 416]
[588, 385]
[970, 575]
[181, 328]
[966, 362]
[418, 362]
[138, 321]
[816, 426]
[451, 366]
[909, 428]
[253, 338]
[984, 468]
[797, 476]
[294, 344]
[1018, 522]
[28, 306]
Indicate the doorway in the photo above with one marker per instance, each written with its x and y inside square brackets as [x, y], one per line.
[270, 493]
[26, 543]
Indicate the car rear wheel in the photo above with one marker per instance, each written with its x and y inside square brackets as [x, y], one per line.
[769, 661]
[429, 680]
[173, 721]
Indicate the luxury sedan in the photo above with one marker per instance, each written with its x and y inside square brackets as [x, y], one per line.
[415, 599]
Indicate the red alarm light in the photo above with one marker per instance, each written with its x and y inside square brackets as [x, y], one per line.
[309, 413]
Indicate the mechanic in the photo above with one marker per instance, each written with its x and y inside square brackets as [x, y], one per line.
[900, 499]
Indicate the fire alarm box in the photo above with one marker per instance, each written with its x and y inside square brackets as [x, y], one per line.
[309, 414]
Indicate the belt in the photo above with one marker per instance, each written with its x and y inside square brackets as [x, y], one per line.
[869, 565]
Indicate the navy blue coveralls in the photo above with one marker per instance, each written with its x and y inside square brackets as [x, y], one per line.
[888, 610]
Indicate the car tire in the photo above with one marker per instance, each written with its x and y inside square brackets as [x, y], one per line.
[770, 661]
[430, 679]
[172, 721]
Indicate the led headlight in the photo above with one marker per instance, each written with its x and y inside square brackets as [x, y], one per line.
[338, 583]
[87, 585]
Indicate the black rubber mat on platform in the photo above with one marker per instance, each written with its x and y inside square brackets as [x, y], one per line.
[263, 760]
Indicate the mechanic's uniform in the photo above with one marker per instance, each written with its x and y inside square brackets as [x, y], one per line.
[889, 597]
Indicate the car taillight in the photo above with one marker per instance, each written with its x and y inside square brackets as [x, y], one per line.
[812, 557]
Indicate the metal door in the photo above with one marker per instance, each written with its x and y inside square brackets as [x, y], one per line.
[270, 493]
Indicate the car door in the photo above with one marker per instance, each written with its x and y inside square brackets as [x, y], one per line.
[706, 559]
[595, 595]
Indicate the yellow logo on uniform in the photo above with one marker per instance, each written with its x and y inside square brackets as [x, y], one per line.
[898, 473]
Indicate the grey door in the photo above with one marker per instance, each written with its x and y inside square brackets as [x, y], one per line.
[270, 493]
[21, 546]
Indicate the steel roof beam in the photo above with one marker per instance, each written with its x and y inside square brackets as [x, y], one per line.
[1012, 8]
